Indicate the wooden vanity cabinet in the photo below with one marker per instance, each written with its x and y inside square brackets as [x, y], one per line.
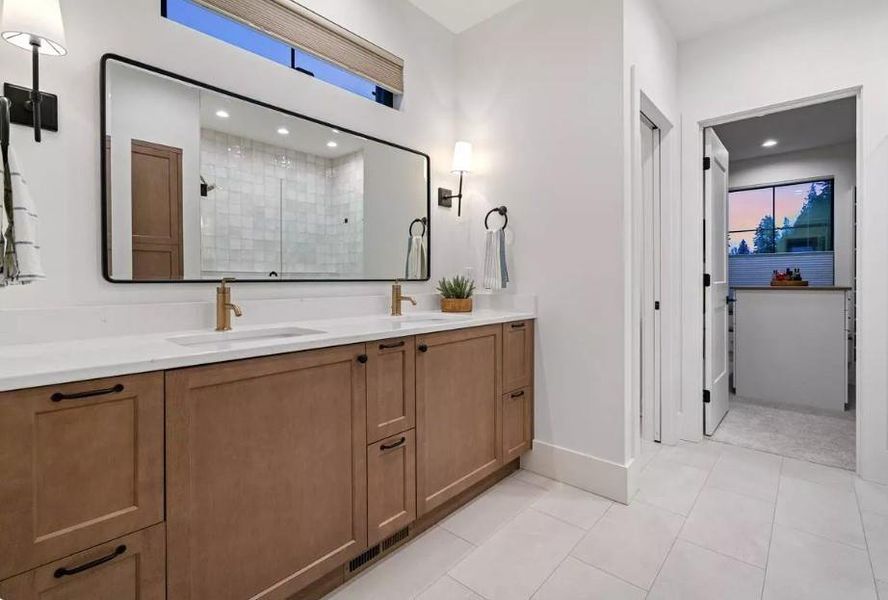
[391, 485]
[517, 355]
[458, 412]
[128, 568]
[266, 473]
[517, 423]
[80, 464]
[391, 387]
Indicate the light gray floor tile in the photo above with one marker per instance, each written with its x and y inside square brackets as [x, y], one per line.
[876, 528]
[807, 471]
[702, 455]
[882, 586]
[732, 524]
[631, 542]
[448, 588]
[873, 496]
[821, 510]
[535, 479]
[518, 558]
[479, 519]
[803, 566]
[670, 485]
[747, 472]
[575, 580]
[573, 505]
[409, 570]
[694, 573]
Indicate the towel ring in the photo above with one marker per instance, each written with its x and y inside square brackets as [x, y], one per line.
[503, 211]
[422, 222]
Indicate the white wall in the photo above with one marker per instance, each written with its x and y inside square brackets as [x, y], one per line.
[540, 96]
[771, 61]
[145, 107]
[839, 161]
[63, 171]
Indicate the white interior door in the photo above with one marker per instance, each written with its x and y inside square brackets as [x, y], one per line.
[715, 296]
[650, 292]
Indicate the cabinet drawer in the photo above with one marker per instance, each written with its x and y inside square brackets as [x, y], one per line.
[517, 423]
[517, 355]
[128, 568]
[391, 387]
[82, 464]
[391, 485]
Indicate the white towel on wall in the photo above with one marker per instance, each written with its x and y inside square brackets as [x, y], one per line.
[496, 272]
[417, 263]
[19, 242]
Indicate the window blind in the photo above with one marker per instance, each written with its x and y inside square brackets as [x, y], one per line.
[296, 25]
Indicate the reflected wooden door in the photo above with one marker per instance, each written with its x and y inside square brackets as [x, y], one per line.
[157, 211]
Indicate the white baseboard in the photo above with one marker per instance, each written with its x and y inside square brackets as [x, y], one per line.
[592, 474]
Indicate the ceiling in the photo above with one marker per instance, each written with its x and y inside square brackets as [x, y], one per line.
[687, 18]
[798, 129]
[459, 15]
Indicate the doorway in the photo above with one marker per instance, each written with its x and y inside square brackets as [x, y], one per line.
[779, 282]
[650, 324]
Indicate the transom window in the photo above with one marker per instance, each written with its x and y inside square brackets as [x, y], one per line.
[212, 23]
[796, 217]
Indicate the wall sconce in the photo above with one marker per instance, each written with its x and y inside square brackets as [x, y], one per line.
[462, 164]
[36, 26]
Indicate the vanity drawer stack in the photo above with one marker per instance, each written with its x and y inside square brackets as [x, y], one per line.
[82, 467]
[257, 478]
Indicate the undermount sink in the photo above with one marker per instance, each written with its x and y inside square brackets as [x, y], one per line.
[243, 336]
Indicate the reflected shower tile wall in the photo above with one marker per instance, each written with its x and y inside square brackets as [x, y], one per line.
[277, 209]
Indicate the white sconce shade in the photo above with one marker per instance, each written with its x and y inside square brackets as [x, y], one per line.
[40, 20]
[462, 158]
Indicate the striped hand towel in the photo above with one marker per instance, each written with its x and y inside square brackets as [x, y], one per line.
[18, 228]
[417, 262]
[496, 273]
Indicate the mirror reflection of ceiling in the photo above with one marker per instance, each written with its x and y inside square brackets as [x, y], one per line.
[255, 122]
[814, 126]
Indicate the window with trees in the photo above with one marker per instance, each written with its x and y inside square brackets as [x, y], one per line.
[796, 217]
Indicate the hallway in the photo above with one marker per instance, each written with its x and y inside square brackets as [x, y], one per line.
[710, 521]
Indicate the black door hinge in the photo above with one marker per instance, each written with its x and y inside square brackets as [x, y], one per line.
[656, 305]
[706, 399]
[707, 280]
[707, 163]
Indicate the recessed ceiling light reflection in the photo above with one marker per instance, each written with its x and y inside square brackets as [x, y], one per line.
[331, 144]
[283, 131]
[769, 143]
[222, 114]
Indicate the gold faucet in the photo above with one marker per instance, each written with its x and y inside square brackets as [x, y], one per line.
[398, 298]
[224, 307]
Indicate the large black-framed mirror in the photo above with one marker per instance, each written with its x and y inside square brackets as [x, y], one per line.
[201, 183]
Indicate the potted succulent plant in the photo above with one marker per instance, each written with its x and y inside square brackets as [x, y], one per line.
[456, 294]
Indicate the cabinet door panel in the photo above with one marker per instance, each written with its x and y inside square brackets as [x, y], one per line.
[517, 423]
[391, 388]
[128, 568]
[458, 383]
[266, 473]
[517, 355]
[82, 463]
[391, 488]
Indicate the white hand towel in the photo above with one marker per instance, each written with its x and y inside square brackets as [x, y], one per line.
[417, 263]
[496, 273]
[19, 242]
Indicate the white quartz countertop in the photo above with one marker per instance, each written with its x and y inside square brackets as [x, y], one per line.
[33, 365]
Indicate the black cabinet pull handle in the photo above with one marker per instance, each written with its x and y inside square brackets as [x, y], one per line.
[517, 394]
[390, 346]
[518, 325]
[395, 445]
[59, 396]
[62, 571]
[422, 348]
[362, 358]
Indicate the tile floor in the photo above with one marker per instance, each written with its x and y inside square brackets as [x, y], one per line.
[709, 521]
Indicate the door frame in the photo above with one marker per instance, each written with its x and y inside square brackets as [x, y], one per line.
[689, 419]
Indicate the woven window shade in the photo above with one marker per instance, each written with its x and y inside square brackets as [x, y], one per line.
[307, 30]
